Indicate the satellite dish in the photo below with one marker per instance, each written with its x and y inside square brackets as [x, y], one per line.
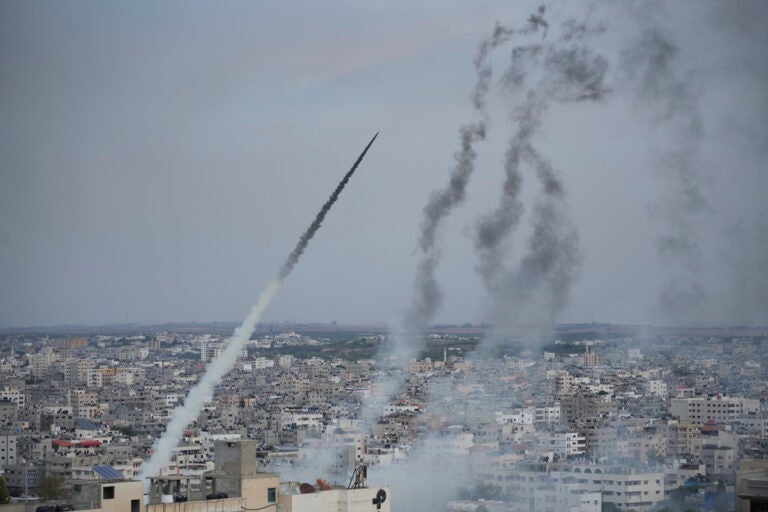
[306, 488]
[381, 497]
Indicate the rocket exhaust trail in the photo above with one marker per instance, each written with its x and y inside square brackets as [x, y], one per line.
[293, 258]
[184, 414]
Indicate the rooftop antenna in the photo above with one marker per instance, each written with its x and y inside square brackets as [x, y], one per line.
[359, 477]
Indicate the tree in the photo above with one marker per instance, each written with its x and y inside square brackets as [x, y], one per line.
[5, 496]
[480, 492]
[486, 492]
[126, 430]
[51, 488]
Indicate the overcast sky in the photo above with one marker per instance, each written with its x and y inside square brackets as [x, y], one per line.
[158, 160]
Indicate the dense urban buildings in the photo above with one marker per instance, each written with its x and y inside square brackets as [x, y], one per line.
[632, 422]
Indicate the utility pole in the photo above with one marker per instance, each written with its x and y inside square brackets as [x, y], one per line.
[26, 489]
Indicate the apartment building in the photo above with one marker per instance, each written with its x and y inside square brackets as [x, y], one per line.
[564, 444]
[698, 410]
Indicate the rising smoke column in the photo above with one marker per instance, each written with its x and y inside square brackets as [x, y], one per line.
[564, 71]
[539, 286]
[493, 228]
[184, 414]
[427, 297]
[670, 94]
[749, 287]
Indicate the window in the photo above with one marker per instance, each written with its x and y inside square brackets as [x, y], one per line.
[108, 492]
[271, 495]
[135, 505]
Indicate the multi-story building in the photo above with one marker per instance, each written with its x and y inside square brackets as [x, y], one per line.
[78, 369]
[718, 459]
[301, 419]
[564, 444]
[752, 486]
[548, 414]
[285, 361]
[9, 411]
[71, 343]
[519, 416]
[8, 455]
[682, 439]
[22, 479]
[41, 362]
[562, 382]
[657, 387]
[587, 408]
[559, 498]
[628, 488]
[13, 394]
[698, 410]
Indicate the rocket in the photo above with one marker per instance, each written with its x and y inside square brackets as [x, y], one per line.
[293, 258]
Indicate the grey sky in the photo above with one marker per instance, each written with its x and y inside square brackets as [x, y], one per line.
[158, 161]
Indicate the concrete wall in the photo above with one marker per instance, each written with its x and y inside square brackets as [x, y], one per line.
[23, 507]
[125, 495]
[256, 490]
[224, 505]
[335, 500]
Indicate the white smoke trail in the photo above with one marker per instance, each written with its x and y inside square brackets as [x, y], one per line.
[184, 414]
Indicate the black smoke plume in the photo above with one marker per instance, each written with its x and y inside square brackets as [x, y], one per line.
[563, 71]
[427, 294]
[441, 203]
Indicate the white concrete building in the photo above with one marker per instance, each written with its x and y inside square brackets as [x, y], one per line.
[720, 408]
[13, 394]
[565, 444]
[627, 489]
[309, 420]
[564, 499]
[515, 416]
[260, 363]
[548, 414]
[7, 449]
[397, 409]
[657, 387]
[336, 500]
